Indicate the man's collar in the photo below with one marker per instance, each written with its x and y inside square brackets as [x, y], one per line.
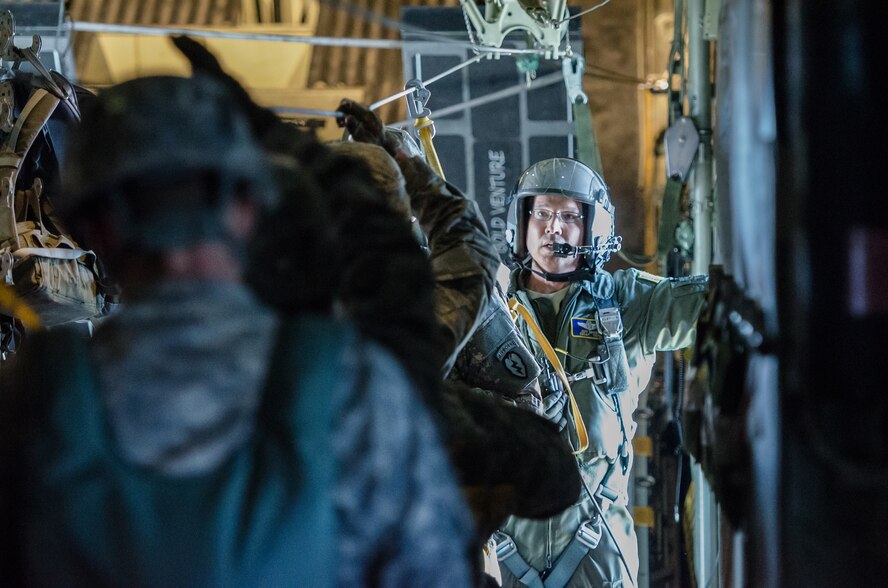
[603, 287]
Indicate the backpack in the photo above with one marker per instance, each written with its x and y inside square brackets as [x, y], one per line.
[78, 514]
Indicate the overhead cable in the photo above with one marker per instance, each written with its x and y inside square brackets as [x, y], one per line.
[587, 11]
[394, 24]
[546, 80]
[307, 111]
[100, 27]
[429, 81]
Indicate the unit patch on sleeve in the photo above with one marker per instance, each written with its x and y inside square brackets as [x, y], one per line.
[583, 328]
[515, 365]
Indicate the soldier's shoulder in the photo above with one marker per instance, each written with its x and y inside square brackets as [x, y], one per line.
[643, 276]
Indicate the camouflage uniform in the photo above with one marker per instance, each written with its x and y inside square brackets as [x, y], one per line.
[485, 349]
[464, 260]
[463, 257]
[497, 359]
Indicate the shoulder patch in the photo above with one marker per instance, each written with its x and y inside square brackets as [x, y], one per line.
[515, 365]
[649, 277]
[583, 328]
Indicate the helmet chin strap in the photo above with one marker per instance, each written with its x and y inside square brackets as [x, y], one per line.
[582, 273]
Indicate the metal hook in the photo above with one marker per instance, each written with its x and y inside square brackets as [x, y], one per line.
[573, 68]
[416, 102]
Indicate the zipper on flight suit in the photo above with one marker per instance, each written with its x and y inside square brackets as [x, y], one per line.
[548, 546]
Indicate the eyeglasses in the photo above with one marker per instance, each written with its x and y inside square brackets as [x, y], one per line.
[567, 217]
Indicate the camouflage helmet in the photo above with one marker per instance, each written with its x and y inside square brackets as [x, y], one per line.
[562, 176]
[159, 128]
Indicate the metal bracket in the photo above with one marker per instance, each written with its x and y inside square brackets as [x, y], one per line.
[573, 69]
[681, 141]
[547, 26]
[9, 52]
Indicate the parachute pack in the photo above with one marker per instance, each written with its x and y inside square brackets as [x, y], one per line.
[46, 271]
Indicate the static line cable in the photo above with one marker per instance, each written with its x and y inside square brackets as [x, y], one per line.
[428, 82]
[547, 80]
[392, 98]
[98, 27]
[307, 111]
[587, 11]
[453, 69]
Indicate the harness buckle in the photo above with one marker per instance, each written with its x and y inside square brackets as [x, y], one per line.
[589, 533]
[606, 496]
[505, 547]
[572, 68]
[610, 323]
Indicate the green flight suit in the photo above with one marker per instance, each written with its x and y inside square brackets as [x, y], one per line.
[658, 314]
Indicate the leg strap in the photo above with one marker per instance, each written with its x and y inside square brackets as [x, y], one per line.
[507, 554]
[585, 540]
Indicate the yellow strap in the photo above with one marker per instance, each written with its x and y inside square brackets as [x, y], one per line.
[15, 306]
[424, 126]
[582, 434]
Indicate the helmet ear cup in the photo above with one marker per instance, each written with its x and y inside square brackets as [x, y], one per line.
[521, 236]
[588, 234]
[516, 226]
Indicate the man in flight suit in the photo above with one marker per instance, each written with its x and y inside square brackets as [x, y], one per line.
[606, 328]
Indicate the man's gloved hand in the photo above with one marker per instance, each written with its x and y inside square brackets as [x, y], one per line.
[363, 124]
[553, 408]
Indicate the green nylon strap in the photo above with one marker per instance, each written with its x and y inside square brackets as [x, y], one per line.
[587, 142]
[669, 216]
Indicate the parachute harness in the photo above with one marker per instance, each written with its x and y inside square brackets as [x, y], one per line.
[582, 434]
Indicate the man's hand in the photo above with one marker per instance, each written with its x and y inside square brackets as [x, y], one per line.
[361, 123]
[553, 408]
